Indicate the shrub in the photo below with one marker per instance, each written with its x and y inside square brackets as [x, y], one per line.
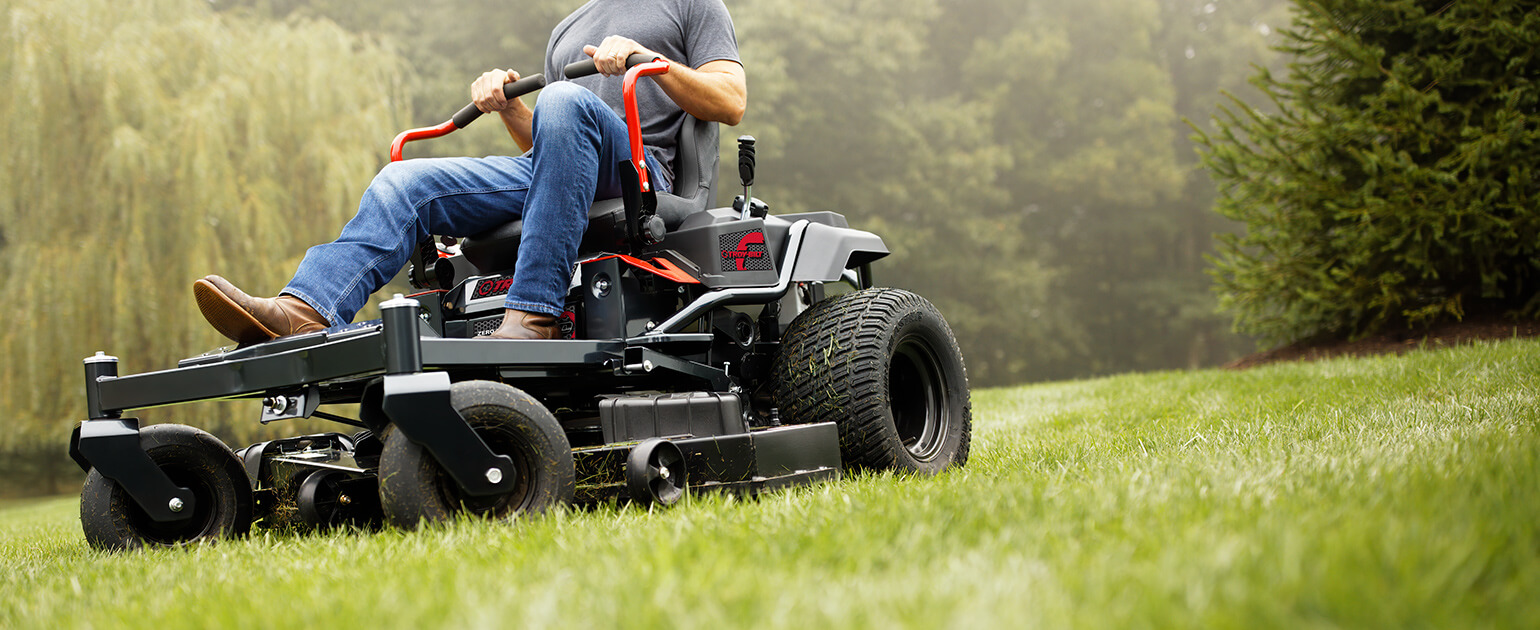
[1396, 182]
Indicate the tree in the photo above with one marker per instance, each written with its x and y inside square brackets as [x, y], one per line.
[1396, 184]
[150, 142]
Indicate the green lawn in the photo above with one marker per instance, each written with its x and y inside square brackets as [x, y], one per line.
[1392, 492]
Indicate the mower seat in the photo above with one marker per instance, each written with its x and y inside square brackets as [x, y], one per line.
[695, 173]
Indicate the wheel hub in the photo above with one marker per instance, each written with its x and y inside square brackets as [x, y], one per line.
[919, 398]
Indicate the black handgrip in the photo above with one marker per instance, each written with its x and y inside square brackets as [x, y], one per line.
[512, 90]
[746, 159]
[586, 67]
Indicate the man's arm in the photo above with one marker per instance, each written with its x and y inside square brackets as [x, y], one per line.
[717, 91]
[487, 94]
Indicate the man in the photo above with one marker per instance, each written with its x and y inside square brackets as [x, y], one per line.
[573, 141]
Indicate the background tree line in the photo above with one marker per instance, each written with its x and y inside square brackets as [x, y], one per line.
[1026, 161]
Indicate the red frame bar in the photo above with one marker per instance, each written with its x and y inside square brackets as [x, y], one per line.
[659, 266]
[633, 120]
[421, 133]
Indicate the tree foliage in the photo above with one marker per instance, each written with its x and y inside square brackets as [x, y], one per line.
[150, 142]
[1024, 160]
[1397, 181]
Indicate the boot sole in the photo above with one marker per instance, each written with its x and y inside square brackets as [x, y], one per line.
[227, 317]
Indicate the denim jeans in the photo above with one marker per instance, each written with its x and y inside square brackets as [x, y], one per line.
[579, 143]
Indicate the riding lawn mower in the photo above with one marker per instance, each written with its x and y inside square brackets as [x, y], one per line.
[703, 349]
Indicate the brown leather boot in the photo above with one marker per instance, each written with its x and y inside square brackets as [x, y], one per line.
[246, 319]
[522, 325]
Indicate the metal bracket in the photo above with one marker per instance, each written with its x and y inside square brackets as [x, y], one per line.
[641, 360]
[291, 406]
[418, 404]
[111, 446]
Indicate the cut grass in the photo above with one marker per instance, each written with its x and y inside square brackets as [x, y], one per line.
[1388, 492]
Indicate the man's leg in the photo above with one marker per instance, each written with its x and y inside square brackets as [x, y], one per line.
[579, 143]
[406, 202]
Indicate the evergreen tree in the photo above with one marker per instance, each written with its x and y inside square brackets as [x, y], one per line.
[1397, 182]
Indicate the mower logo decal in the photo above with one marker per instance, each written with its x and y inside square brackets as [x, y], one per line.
[566, 325]
[493, 286]
[745, 251]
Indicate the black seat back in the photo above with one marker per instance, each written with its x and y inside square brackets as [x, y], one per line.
[695, 171]
[695, 176]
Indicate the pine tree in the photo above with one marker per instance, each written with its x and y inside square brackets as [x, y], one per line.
[1397, 184]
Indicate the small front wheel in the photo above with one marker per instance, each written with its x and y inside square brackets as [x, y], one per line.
[193, 459]
[414, 488]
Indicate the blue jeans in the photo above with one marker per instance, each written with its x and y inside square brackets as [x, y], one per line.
[578, 144]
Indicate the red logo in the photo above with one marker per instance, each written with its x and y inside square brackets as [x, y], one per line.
[743, 252]
[494, 286]
[567, 325]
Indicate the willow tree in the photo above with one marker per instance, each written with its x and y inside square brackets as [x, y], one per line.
[150, 142]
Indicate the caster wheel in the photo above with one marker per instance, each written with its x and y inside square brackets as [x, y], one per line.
[415, 489]
[655, 473]
[192, 459]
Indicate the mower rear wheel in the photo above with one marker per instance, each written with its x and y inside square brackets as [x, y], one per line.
[415, 489]
[883, 365]
[193, 459]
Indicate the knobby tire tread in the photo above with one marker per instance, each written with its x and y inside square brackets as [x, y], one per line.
[832, 367]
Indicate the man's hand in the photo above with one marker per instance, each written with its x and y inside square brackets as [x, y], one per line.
[611, 54]
[487, 92]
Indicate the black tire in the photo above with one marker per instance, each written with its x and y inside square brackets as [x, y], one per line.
[317, 500]
[883, 365]
[193, 459]
[414, 489]
[656, 473]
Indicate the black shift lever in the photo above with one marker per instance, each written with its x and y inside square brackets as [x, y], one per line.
[746, 160]
[747, 205]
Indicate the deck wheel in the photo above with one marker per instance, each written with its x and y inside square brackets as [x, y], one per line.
[655, 473]
[326, 499]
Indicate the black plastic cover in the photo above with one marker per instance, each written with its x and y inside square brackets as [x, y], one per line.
[696, 414]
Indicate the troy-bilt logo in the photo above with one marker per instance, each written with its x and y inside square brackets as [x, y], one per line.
[745, 251]
[493, 286]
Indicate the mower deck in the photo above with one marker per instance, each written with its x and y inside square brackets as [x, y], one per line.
[402, 360]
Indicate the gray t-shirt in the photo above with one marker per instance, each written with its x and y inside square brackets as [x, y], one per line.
[691, 32]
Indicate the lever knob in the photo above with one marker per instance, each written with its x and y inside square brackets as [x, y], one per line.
[653, 230]
[746, 159]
